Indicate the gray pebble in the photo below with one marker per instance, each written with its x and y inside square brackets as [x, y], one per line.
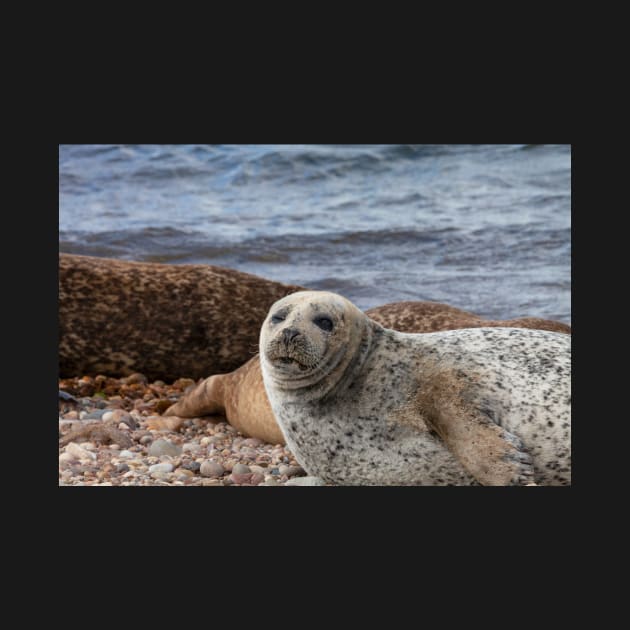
[122, 468]
[164, 447]
[146, 439]
[191, 447]
[165, 467]
[192, 466]
[248, 452]
[305, 481]
[94, 415]
[211, 469]
[241, 469]
[127, 454]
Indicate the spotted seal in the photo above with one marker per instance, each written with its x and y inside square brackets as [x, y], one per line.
[360, 404]
[240, 395]
[118, 317]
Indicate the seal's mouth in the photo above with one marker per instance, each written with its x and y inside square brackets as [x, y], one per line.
[290, 362]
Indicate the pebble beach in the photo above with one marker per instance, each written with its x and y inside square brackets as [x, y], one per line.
[105, 439]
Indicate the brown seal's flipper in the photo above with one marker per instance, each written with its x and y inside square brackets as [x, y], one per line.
[206, 399]
[239, 395]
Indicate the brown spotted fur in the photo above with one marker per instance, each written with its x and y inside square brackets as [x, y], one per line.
[165, 321]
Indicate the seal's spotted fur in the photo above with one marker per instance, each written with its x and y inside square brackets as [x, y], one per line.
[484, 405]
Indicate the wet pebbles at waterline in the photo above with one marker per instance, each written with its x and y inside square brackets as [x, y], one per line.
[104, 441]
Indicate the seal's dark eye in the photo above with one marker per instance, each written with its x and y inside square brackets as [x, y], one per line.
[324, 323]
[276, 319]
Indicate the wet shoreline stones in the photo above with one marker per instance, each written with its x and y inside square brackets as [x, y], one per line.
[206, 452]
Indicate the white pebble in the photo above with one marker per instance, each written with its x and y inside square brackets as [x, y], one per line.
[78, 452]
[126, 454]
[65, 458]
[165, 468]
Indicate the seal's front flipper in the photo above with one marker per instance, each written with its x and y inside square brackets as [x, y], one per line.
[449, 403]
[494, 456]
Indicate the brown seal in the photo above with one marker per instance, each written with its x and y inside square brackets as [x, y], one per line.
[241, 396]
[166, 321]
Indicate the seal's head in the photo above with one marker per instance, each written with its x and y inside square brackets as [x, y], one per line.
[310, 338]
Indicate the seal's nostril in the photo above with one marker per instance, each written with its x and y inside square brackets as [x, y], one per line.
[289, 333]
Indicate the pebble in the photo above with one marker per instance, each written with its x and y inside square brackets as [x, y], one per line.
[78, 452]
[269, 482]
[290, 471]
[65, 459]
[164, 447]
[115, 415]
[192, 466]
[241, 469]
[160, 475]
[127, 454]
[305, 481]
[146, 439]
[247, 478]
[258, 469]
[165, 467]
[211, 469]
[211, 482]
[248, 452]
[94, 415]
[252, 442]
[121, 468]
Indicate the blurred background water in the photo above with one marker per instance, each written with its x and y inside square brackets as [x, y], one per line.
[486, 228]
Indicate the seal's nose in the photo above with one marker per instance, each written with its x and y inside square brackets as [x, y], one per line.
[289, 333]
